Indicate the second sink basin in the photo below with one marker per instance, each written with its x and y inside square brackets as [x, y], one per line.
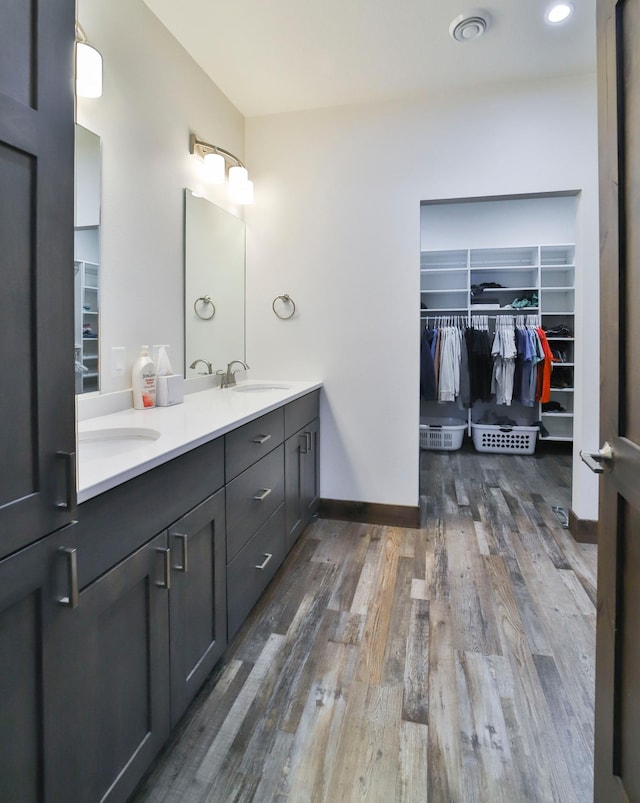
[100, 443]
[257, 387]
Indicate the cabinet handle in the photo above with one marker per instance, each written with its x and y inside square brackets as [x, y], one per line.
[267, 558]
[166, 583]
[309, 441]
[305, 446]
[71, 557]
[261, 497]
[184, 566]
[261, 439]
[70, 494]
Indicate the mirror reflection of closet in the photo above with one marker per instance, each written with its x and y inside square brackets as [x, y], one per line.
[86, 266]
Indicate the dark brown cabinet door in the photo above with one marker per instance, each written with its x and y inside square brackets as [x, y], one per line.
[31, 583]
[37, 484]
[617, 722]
[108, 703]
[301, 479]
[198, 610]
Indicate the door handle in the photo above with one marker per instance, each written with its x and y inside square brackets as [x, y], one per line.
[598, 461]
[71, 557]
[166, 583]
[267, 558]
[184, 539]
[70, 494]
[261, 497]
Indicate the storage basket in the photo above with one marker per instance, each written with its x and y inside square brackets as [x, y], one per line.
[508, 440]
[441, 433]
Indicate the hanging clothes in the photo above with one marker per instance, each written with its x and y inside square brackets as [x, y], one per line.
[479, 363]
[543, 387]
[444, 368]
[504, 354]
[427, 369]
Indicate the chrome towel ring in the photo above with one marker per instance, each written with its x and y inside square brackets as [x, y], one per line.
[286, 299]
[201, 305]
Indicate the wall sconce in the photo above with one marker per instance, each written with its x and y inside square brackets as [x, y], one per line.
[215, 161]
[88, 67]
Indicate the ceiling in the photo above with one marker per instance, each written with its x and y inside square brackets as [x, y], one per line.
[272, 56]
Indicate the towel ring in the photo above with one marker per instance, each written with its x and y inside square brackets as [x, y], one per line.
[286, 299]
[204, 302]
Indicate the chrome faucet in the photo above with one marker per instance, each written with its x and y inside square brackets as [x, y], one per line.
[228, 377]
[206, 362]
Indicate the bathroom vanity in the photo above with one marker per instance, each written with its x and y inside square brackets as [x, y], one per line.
[120, 616]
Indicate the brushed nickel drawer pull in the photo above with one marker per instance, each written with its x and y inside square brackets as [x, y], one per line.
[71, 557]
[261, 497]
[166, 555]
[261, 439]
[267, 558]
[184, 539]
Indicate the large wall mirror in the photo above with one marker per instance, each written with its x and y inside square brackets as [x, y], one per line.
[86, 265]
[214, 286]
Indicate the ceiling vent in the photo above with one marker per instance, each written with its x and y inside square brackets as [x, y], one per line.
[469, 26]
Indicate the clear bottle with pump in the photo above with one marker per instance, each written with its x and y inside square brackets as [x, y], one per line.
[143, 381]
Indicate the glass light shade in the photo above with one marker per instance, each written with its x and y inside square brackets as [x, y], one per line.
[238, 175]
[214, 168]
[88, 71]
[559, 12]
[242, 192]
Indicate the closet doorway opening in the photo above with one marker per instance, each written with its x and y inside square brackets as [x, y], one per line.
[498, 364]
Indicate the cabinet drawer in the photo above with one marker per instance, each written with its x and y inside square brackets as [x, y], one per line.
[299, 412]
[250, 571]
[252, 498]
[252, 441]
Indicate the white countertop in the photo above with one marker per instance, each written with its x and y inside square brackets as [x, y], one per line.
[202, 417]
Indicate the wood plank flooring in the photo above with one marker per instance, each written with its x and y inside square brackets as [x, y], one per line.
[451, 663]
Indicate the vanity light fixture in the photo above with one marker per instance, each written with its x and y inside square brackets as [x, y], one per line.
[558, 12]
[88, 67]
[215, 168]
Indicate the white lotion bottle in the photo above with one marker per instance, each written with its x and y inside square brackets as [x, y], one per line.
[143, 381]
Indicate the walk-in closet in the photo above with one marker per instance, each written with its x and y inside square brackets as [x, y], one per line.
[498, 329]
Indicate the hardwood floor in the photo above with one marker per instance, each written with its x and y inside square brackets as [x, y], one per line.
[450, 663]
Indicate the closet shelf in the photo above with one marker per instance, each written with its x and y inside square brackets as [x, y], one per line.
[557, 415]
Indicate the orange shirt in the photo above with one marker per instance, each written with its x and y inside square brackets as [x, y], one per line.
[543, 383]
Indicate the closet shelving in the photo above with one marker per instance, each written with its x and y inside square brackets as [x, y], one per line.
[87, 322]
[450, 282]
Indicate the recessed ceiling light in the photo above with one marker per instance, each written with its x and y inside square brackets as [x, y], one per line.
[558, 12]
[471, 25]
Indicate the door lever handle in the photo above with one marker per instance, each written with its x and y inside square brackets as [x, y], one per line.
[595, 460]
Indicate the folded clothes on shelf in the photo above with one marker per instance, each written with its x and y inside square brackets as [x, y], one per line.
[561, 330]
[478, 289]
[553, 407]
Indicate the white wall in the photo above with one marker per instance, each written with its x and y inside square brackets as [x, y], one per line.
[154, 96]
[336, 224]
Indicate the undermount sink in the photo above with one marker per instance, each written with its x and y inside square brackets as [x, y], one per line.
[100, 443]
[257, 387]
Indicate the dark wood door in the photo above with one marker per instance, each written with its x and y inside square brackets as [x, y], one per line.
[37, 486]
[198, 609]
[617, 723]
[109, 715]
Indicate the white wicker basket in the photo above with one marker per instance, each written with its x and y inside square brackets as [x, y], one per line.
[507, 440]
[441, 433]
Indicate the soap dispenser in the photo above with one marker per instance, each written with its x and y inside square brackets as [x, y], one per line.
[144, 381]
